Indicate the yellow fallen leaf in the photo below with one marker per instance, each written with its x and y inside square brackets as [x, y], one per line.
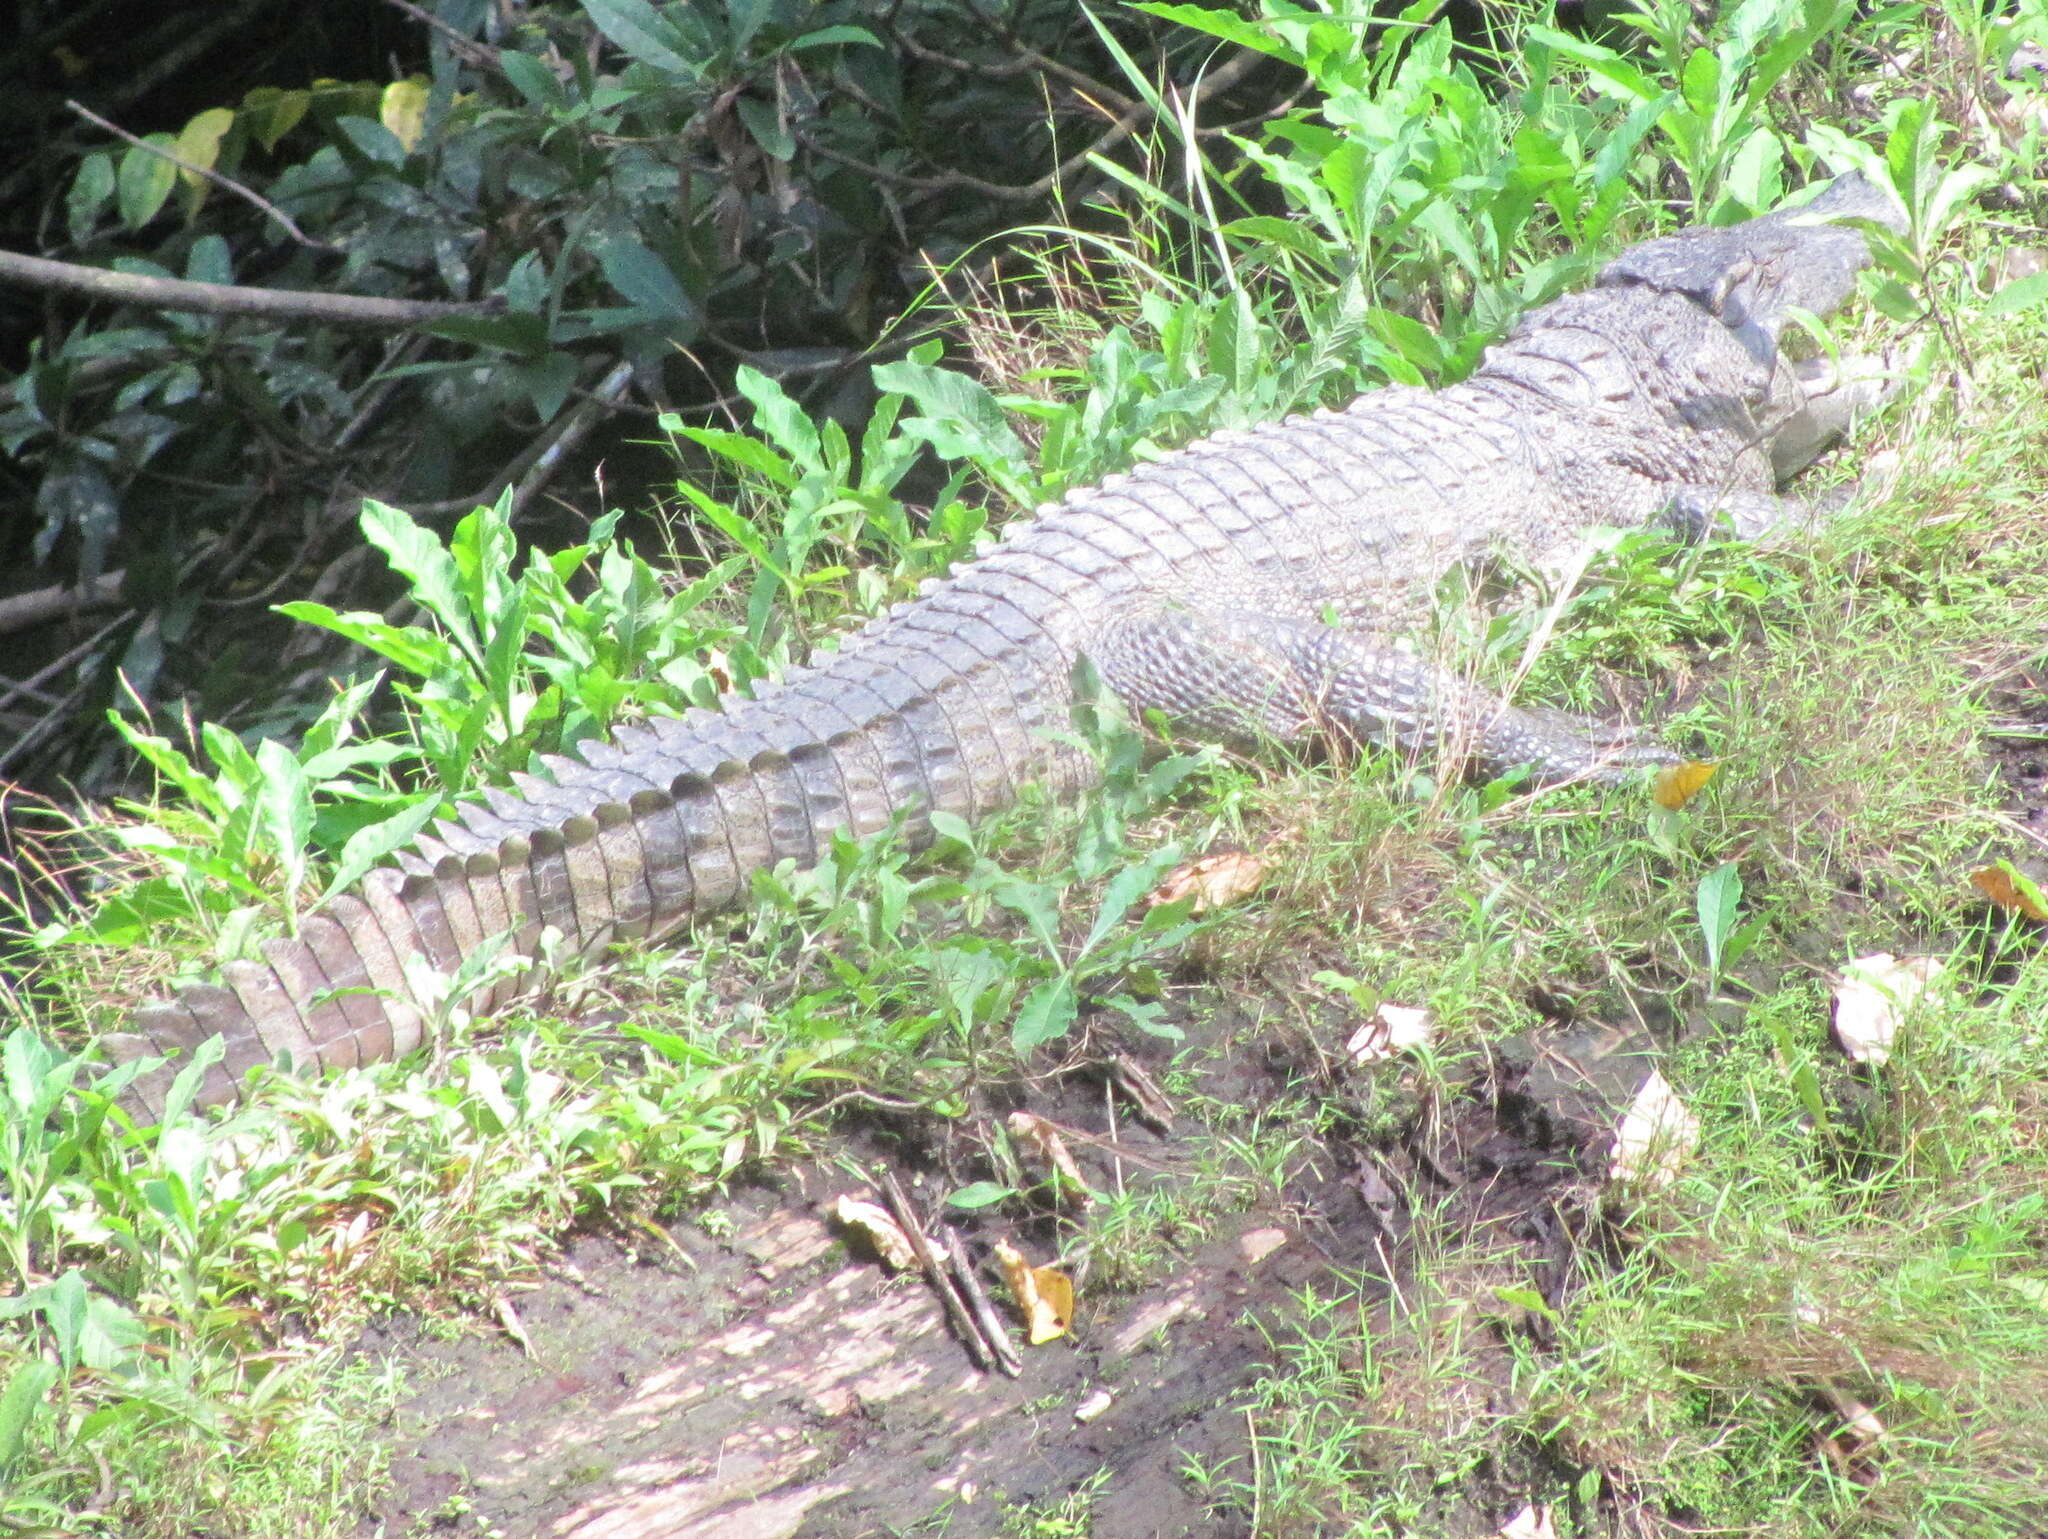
[1874, 995]
[1215, 881]
[1045, 1294]
[882, 1230]
[2009, 887]
[1656, 1135]
[1680, 783]
[1394, 1029]
[1034, 1131]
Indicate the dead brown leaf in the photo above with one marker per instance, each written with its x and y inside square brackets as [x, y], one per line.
[1214, 881]
[2010, 888]
[882, 1231]
[1255, 1245]
[1035, 1132]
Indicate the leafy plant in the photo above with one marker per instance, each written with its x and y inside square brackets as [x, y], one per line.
[1711, 102]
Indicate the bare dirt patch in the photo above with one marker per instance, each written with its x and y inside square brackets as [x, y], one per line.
[779, 1382]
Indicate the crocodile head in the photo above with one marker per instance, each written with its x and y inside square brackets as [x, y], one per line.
[1753, 276]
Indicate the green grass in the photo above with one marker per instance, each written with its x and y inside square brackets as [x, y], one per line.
[167, 1356]
[1890, 1254]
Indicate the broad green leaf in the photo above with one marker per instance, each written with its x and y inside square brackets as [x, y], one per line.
[1126, 888]
[646, 34]
[171, 764]
[1895, 300]
[416, 555]
[980, 1194]
[419, 652]
[1284, 233]
[110, 1334]
[961, 419]
[272, 113]
[2020, 294]
[23, 1397]
[372, 139]
[483, 549]
[517, 331]
[950, 825]
[38, 1076]
[91, 190]
[144, 181]
[645, 280]
[1224, 24]
[739, 448]
[547, 382]
[736, 527]
[676, 1049]
[286, 803]
[1035, 904]
[827, 37]
[1701, 82]
[1718, 901]
[767, 127]
[210, 261]
[63, 1303]
[778, 417]
[532, 79]
[1604, 62]
[1048, 1012]
[336, 723]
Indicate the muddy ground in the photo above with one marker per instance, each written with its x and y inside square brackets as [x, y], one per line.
[763, 1375]
[782, 1382]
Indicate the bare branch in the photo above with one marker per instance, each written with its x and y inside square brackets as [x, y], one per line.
[21, 611]
[230, 299]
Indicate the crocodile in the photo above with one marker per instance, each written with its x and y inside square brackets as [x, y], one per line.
[1256, 583]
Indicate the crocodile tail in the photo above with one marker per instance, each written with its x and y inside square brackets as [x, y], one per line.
[635, 836]
[335, 994]
[346, 989]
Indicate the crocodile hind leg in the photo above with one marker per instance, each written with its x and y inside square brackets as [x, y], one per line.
[1240, 675]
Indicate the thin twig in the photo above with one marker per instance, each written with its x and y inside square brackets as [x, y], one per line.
[468, 49]
[229, 183]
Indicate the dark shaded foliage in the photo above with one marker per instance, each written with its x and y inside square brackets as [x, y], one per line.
[649, 195]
